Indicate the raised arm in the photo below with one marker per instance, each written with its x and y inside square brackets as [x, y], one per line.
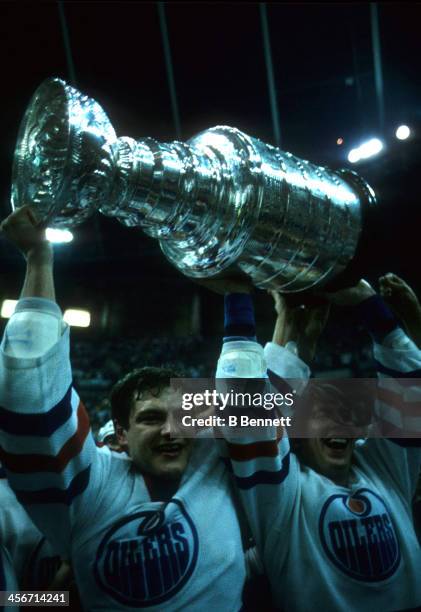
[46, 447]
[296, 332]
[22, 228]
[396, 357]
[36, 325]
[403, 301]
[259, 460]
[397, 450]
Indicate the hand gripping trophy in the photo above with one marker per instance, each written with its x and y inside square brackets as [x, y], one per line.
[220, 201]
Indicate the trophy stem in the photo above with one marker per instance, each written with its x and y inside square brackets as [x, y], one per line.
[224, 198]
[174, 191]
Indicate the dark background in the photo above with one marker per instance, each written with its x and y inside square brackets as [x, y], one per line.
[323, 65]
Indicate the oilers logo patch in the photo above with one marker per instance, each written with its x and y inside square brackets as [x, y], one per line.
[146, 558]
[358, 536]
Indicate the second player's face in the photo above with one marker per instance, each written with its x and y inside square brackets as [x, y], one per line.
[328, 451]
[149, 444]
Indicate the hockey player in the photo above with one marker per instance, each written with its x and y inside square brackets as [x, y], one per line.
[129, 546]
[404, 303]
[332, 522]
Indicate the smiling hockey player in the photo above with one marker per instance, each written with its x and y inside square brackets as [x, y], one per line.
[157, 529]
[332, 517]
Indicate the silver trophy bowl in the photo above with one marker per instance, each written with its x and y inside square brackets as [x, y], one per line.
[221, 202]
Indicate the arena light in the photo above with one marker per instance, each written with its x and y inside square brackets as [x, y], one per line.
[8, 308]
[370, 148]
[354, 156]
[77, 318]
[58, 236]
[403, 132]
[367, 149]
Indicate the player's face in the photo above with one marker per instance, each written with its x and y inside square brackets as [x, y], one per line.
[148, 437]
[328, 451]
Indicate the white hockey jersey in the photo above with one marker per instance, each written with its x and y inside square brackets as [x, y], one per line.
[342, 549]
[34, 561]
[127, 551]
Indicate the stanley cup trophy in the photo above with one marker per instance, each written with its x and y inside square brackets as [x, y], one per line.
[223, 201]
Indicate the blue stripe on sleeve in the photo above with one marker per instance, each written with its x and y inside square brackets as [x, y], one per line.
[239, 315]
[55, 495]
[376, 317]
[399, 376]
[261, 477]
[37, 424]
[406, 442]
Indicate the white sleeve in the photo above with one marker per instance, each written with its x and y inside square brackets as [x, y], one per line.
[47, 449]
[265, 471]
[34, 327]
[398, 451]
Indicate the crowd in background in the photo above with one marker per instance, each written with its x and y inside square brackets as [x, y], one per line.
[97, 365]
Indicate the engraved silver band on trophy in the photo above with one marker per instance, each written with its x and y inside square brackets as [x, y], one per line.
[222, 199]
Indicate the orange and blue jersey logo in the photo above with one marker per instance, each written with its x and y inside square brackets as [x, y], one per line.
[145, 559]
[358, 536]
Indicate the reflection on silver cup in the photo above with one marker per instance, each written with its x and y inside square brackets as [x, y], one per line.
[220, 200]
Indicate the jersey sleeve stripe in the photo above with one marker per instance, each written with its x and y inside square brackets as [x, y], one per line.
[407, 442]
[260, 476]
[39, 424]
[27, 463]
[400, 376]
[263, 477]
[248, 452]
[56, 495]
[406, 408]
[389, 430]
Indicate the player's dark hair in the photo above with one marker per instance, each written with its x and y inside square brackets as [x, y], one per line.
[346, 401]
[132, 385]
